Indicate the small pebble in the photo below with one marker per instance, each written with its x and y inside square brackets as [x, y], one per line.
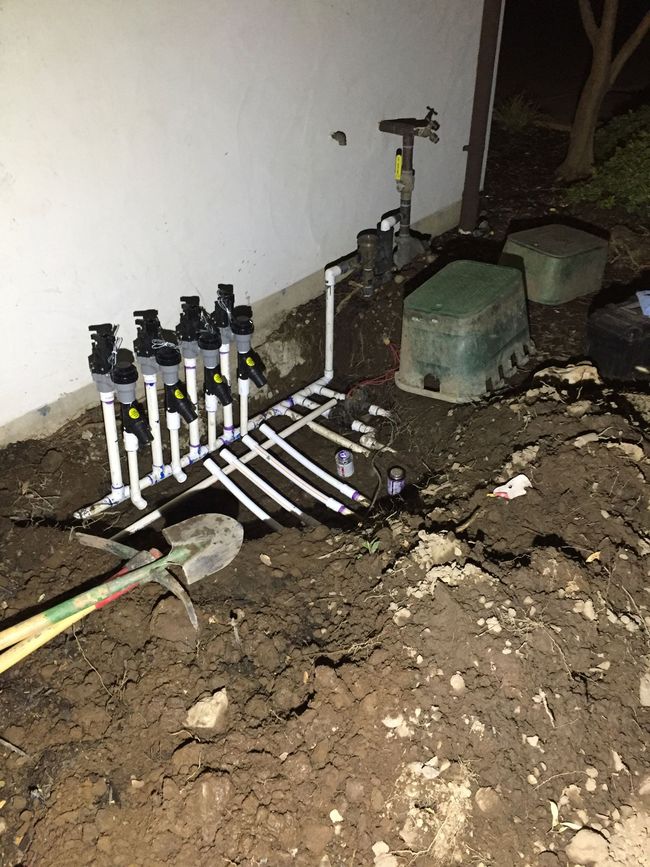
[457, 683]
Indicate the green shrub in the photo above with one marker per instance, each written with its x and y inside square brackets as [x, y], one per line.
[620, 130]
[623, 180]
[517, 113]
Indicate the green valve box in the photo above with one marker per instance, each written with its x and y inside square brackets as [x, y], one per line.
[559, 263]
[463, 332]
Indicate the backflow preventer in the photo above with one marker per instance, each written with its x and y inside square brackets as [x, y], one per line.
[408, 247]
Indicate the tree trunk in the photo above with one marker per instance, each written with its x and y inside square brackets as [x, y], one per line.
[579, 160]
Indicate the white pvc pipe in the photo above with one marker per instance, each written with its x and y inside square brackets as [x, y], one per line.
[229, 430]
[328, 392]
[224, 361]
[217, 474]
[113, 446]
[158, 469]
[334, 481]
[388, 223]
[301, 400]
[370, 441]
[173, 426]
[131, 449]
[373, 409]
[281, 408]
[261, 483]
[211, 404]
[328, 434]
[308, 390]
[194, 427]
[362, 427]
[330, 279]
[244, 390]
[228, 421]
[288, 473]
[141, 523]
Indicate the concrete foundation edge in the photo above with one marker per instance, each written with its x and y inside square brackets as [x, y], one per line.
[269, 312]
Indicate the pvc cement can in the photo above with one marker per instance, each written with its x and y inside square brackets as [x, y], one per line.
[344, 463]
[395, 481]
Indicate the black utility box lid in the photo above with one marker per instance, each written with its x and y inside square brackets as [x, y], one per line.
[618, 340]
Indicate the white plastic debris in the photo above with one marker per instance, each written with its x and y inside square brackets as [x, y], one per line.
[516, 487]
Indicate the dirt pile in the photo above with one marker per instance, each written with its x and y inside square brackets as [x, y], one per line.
[461, 685]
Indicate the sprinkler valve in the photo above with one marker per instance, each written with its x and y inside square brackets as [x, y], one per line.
[148, 330]
[249, 364]
[254, 367]
[226, 295]
[134, 419]
[213, 381]
[102, 357]
[223, 308]
[176, 399]
[191, 320]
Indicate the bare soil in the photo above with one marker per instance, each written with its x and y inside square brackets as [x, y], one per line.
[446, 678]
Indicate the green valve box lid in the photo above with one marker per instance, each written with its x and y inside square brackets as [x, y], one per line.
[463, 289]
[557, 240]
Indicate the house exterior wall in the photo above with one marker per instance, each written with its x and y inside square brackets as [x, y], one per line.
[153, 148]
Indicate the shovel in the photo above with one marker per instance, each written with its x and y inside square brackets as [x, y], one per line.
[200, 546]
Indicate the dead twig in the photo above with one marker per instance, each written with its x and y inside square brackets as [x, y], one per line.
[13, 748]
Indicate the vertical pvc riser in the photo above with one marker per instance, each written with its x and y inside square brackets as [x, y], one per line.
[112, 444]
[151, 396]
[329, 330]
[131, 449]
[194, 427]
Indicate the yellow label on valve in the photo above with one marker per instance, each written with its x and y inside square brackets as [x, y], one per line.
[250, 361]
[178, 394]
[218, 378]
[133, 413]
[398, 166]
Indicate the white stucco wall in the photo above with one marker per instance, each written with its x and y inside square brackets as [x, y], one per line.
[152, 148]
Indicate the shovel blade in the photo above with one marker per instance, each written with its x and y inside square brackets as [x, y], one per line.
[203, 544]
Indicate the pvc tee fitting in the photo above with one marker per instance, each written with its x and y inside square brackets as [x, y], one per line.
[176, 400]
[134, 419]
[249, 364]
[213, 381]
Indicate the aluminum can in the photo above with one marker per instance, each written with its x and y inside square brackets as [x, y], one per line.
[344, 463]
[395, 481]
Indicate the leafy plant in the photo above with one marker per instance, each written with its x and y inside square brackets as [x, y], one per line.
[370, 546]
[517, 113]
[620, 130]
[623, 180]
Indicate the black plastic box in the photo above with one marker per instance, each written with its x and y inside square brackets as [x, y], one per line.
[618, 340]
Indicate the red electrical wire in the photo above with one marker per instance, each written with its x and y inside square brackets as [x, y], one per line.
[383, 378]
